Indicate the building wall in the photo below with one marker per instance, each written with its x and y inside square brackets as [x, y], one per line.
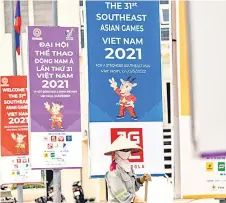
[69, 14]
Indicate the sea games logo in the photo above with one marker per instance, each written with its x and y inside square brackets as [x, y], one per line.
[37, 34]
[4, 82]
[136, 136]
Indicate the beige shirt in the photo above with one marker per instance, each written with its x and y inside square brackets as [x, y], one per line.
[121, 185]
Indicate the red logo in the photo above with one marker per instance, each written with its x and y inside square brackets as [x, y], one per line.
[53, 138]
[61, 138]
[50, 145]
[16, 166]
[133, 134]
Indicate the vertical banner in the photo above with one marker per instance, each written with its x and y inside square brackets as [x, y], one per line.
[125, 88]
[54, 97]
[14, 115]
[14, 132]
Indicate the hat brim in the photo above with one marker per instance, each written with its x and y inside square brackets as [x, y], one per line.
[133, 151]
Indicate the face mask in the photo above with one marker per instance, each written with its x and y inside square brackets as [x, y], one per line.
[123, 155]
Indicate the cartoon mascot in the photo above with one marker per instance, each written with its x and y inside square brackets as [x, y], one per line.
[126, 98]
[20, 144]
[56, 115]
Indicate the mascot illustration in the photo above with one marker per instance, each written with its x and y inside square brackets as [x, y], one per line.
[19, 139]
[56, 115]
[126, 100]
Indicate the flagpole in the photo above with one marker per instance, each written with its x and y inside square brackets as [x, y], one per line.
[19, 186]
[54, 13]
[13, 39]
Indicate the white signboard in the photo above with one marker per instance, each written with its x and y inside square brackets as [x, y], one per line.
[207, 51]
[145, 135]
[16, 169]
[56, 150]
[200, 178]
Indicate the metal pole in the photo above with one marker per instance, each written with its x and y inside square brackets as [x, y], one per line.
[20, 193]
[19, 186]
[175, 103]
[54, 13]
[56, 173]
[13, 39]
[57, 186]
[188, 14]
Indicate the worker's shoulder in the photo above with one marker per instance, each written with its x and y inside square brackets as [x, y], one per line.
[114, 169]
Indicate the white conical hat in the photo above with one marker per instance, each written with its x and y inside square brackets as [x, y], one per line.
[122, 143]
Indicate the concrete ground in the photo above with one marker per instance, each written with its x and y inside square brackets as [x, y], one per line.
[196, 201]
[175, 201]
[31, 194]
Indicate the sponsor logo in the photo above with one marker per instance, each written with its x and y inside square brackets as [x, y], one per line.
[214, 187]
[209, 166]
[133, 134]
[50, 146]
[46, 155]
[16, 166]
[53, 138]
[52, 154]
[45, 138]
[61, 138]
[221, 166]
[68, 138]
[56, 145]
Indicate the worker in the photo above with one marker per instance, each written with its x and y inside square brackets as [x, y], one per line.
[121, 180]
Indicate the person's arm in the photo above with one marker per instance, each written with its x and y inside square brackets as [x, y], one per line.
[118, 188]
[138, 184]
[141, 180]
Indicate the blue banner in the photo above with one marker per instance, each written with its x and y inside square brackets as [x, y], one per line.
[124, 61]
